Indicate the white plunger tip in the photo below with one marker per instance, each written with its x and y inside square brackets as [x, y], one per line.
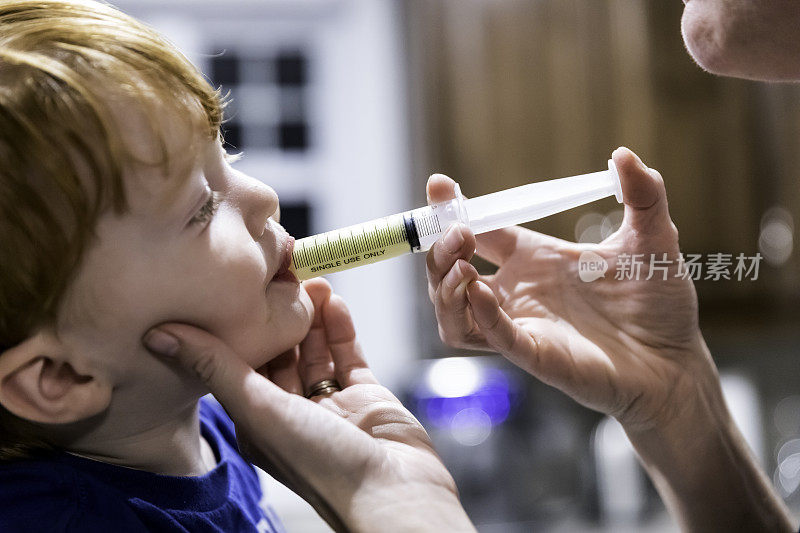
[612, 168]
[462, 209]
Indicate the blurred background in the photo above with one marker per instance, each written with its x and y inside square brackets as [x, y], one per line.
[346, 106]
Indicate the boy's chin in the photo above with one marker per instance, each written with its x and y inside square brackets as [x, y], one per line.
[303, 311]
[300, 334]
[305, 300]
[257, 361]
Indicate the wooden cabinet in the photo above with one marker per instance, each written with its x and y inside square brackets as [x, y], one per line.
[508, 92]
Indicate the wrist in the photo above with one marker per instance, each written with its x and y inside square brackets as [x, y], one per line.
[686, 396]
[698, 427]
[409, 507]
[694, 423]
[703, 468]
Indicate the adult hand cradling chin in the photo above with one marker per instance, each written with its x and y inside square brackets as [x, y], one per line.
[356, 455]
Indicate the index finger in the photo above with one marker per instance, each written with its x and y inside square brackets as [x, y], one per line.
[348, 357]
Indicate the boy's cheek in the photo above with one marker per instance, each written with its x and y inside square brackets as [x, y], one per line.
[285, 326]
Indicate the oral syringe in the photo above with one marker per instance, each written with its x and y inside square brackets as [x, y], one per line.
[416, 230]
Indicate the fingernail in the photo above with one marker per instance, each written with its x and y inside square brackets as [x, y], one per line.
[636, 158]
[472, 286]
[161, 342]
[453, 239]
[454, 276]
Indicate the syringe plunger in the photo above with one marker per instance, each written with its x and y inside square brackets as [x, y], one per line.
[538, 200]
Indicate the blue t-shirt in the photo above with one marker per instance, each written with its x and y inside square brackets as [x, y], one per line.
[64, 492]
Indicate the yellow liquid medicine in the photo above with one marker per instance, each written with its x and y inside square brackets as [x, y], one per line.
[350, 247]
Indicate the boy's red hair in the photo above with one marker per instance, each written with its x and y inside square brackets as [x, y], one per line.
[61, 64]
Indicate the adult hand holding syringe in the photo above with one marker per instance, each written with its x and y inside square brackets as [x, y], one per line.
[536, 309]
[628, 346]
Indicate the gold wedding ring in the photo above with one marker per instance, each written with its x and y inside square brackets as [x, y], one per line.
[326, 386]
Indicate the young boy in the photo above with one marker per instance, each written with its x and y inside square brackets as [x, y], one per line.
[119, 212]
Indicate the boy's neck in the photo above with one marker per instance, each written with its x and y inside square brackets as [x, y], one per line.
[174, 447]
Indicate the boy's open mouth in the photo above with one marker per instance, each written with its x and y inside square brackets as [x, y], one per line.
[283, 273]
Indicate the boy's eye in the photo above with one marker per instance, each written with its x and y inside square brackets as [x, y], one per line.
[206, 213]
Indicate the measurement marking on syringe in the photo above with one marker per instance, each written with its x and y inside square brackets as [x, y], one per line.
[367, 244]
[331, 248]
[428, 225]
[315, 253]
[369, 241]
[364, 243]
[340, 249]
[351, 243]
[320, 248]
[319, 252]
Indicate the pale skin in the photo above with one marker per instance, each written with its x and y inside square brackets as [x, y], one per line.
[630, 349]
[753, 39]
[358, 456]
[165, 259]
[201, 248]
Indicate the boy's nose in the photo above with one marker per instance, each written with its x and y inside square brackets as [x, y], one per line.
[262, 203]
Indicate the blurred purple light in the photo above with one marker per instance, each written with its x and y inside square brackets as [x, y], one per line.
[493, 397]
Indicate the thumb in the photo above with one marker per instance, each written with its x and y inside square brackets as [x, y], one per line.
[643, 192]
[228, 377]
[282, 446]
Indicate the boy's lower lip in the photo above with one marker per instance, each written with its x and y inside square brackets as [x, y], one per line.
[287, 276]
[283, 273]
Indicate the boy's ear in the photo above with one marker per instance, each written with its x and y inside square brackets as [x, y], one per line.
[42, 382]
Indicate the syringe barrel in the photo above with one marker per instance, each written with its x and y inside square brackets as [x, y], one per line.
[431, 221]
[373, 241]
[350, 247]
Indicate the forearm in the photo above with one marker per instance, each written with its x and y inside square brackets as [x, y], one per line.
[706, 473]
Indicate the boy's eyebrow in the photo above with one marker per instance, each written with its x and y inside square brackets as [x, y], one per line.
[180, 192]
[178, 186]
